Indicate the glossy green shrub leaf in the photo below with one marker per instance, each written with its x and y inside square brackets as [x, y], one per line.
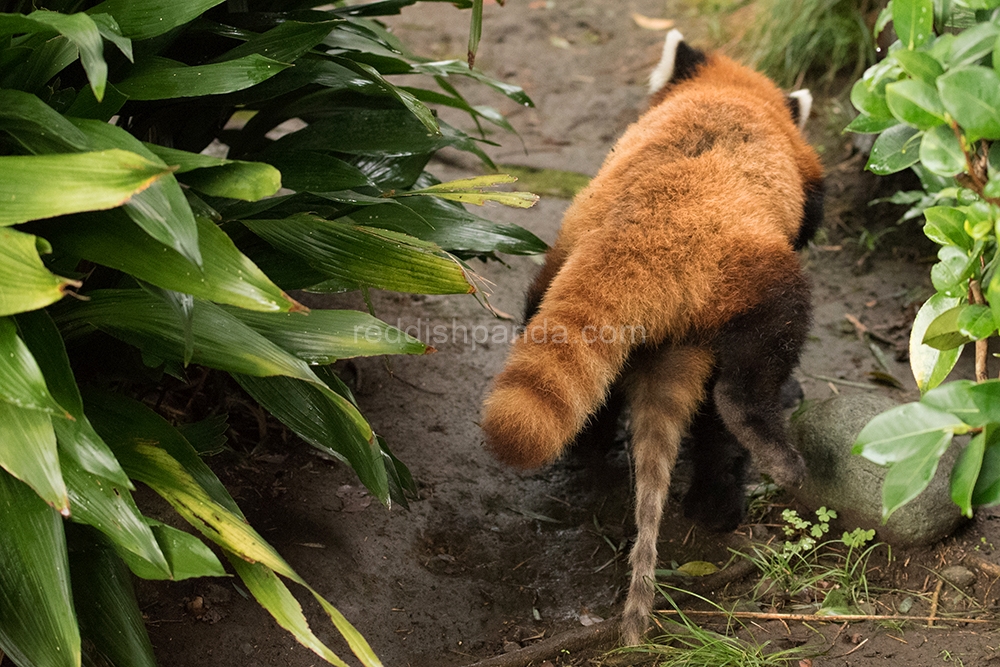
[358, 257]
[972, 97]
[976, 321]
[25, 283]
[142, 19]
[944, 332]
[323, 336]
[229, 276]
[987, 488]
[913, 21]
[43, 186]
[908, 431]
[79, 29]
[966, 472]
[941, 153]
[919, 65]
[907, 478]
[161, 78]
[986, 396]
[870, 103]
[955, 267]
[957, 398]
[39, 625]
[993, 295]
[915, 103]
[973, 44]
[865, 124]
[323, 422]
[946, 226]
[895, 149]
[361, 131]
[110, 619]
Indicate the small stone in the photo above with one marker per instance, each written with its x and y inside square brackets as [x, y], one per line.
[959, 576]
[825, 432]
[510, 647]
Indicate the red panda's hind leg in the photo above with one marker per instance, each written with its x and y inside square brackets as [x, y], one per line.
[664, 392]
[756, 353]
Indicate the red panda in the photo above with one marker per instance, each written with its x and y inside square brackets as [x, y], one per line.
[674, 277]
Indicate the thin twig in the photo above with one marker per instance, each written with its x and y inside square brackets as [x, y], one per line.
[934, 603]
[821, 618]
[982, 345]
[846, 383]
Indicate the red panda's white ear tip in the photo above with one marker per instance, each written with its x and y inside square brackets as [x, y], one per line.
[665, 69]
[805, 102]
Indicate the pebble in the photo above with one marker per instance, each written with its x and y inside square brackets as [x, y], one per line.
[959, 576]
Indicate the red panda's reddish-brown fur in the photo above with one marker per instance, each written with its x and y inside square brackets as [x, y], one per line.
[685, 238]
[673, 234]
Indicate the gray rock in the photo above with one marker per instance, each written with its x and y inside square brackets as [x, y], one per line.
[961, 577]
[824, 432]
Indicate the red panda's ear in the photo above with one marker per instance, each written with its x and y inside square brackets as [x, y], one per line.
[678, 62]
[800, 104]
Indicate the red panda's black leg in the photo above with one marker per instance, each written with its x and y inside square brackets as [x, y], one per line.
[716, 498]
[756, 353]
[663, 391]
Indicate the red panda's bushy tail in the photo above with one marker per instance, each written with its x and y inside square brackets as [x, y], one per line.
[561, 367]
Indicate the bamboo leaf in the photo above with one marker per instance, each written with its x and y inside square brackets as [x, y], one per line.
[229, 276]
[39, 626]
[236, 179]
[43, 186]
[80, 29]
[220, 340]
[21, 381]
[323, 336]
[37, 126]
[109, 508]
[25, 283]
[28, 452]
[361, 256]
[161, 211]
[109, 615]
[161, 78]
[142, 19]
[187, 556]
[450, 226]
[77, 438]
[327, 421]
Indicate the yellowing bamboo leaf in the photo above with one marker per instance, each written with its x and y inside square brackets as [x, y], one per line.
[25, 283]
[43, 186]
[469, 191]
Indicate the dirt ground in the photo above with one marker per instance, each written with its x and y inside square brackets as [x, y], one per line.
[488, 560]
